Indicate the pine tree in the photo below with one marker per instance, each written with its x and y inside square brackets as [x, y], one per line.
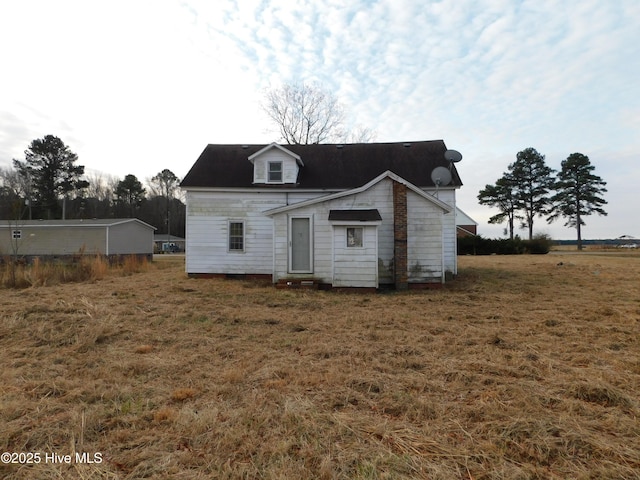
[578, 193]
[130, 195]
[51, 172]
[502, 196]
[534, 179]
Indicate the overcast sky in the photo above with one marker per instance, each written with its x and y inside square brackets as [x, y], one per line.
[138, 86]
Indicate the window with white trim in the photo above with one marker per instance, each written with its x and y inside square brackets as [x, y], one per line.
[274, 172]
[16, 234]
[355, 237]
[236, 236]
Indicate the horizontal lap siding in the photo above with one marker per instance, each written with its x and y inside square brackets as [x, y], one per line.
[378, 196]
[449, 226]
[208, 216]
[424, 231]
[357, 266]
[289, 166]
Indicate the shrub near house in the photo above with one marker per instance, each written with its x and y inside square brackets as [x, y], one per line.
[478, 245]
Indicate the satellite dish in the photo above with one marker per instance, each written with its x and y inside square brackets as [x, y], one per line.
[441, 176]
[452, 156]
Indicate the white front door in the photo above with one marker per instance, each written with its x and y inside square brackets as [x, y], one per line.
[300, 248]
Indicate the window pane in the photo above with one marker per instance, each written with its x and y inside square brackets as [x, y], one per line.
[354, 237]
[275, 171]
[236, 236]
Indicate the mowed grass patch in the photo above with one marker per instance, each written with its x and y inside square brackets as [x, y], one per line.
[524, 367]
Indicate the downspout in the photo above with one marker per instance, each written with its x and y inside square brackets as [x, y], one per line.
[274, 275]
[106, 250]
[455, 234]
[442, 248]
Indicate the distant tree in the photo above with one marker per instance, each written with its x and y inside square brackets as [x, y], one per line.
[51, 171]
[165, 184]
[98, 200]
[13, 189]
[533, 181]
[502, 196]
[305, 113]
[578, 193]
[12, 211]
[129, 195]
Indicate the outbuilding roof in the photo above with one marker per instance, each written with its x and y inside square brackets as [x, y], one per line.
[325, 166]
[81, 222]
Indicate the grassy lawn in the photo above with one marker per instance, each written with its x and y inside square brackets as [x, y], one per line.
[524, 367]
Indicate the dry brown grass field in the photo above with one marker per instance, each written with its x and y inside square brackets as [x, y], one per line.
[524, 367]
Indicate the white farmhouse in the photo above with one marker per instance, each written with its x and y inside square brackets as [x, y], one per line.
[330, 215]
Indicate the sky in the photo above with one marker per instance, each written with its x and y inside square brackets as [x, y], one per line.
[136, 86]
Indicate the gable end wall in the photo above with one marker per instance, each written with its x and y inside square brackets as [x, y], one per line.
[289, 166]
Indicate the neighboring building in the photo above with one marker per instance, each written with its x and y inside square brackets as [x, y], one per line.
[465, 225]
[165, 243]
[68, 238]
[346, 215]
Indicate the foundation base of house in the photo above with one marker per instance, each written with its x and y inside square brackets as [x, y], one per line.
[310, 283]
[298, 283]
[426, 286]
[259, 277]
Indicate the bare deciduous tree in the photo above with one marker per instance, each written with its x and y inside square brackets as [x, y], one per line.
[305, 113]
[361, 134]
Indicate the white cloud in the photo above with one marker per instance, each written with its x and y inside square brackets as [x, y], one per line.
[134, 87]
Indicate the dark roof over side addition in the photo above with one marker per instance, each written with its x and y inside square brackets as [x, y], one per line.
[326, 166]
[372, 215]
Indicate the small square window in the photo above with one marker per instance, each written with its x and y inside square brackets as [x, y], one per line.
[275, 172]
[236, 236]
[354, 236]
[16, 234]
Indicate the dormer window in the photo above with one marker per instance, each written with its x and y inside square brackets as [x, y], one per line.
[275, 165]
[274, 173]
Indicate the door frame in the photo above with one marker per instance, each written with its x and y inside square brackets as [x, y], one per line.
[290, 220]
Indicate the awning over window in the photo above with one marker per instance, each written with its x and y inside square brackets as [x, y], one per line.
[372, 215]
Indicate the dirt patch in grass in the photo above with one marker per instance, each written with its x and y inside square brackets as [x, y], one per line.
[524, 367]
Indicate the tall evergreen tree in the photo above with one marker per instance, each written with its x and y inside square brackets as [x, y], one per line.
[129, 195]
[502, 196]
[52, 174]
[578, 193]
[534, 179]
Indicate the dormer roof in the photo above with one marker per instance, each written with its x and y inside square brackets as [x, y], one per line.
[253, 156]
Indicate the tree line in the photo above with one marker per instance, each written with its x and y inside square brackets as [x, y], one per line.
[49, 184]
[530, 189]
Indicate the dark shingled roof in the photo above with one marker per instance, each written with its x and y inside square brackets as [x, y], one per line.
[326, 166]
[372, 215]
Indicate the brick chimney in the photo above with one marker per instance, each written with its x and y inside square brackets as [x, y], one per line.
[400, 270]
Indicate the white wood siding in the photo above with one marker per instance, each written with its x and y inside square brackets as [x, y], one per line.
[355, 266]
[209, 211]
[424, 238]
[207, 240]
[208, 216]
[448, 196]
[379, 196]
[261, 164]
